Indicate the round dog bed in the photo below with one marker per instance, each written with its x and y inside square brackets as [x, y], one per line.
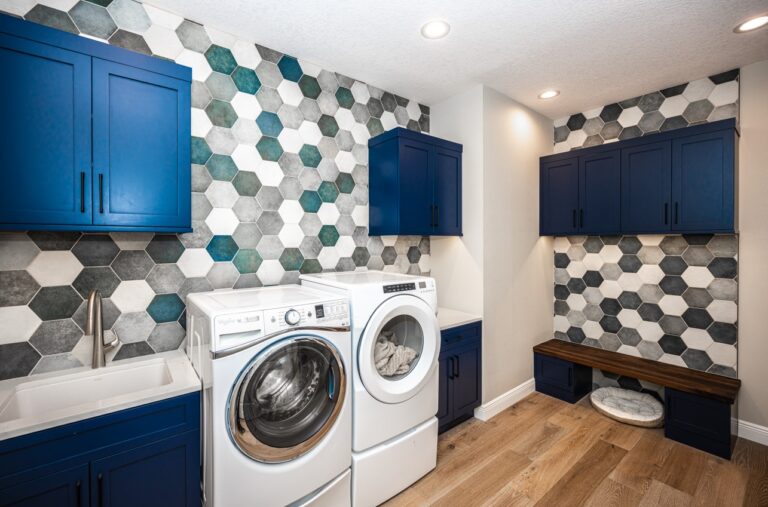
[631, 407]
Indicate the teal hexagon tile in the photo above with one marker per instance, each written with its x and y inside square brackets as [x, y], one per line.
[221, 167]
[328, 125]
[165, 308]
[290, 68]
[246, 81]
[310, 155]
[328, 235]
[309, 86]
[328, 191]
[310, 201]
[269, 124]
[93, 20]
[291, 259]
[222, 248]
[221, 114]
[269, 148]
[345, 183]
[220, 59]
[247, 261]
[200, 151]
[247, 183]
[311, 266]
[345, 97]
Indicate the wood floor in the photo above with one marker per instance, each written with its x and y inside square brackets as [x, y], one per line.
[546, 452]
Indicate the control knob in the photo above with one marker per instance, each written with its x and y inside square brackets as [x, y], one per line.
[292, 317]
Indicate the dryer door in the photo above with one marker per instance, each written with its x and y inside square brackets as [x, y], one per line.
[287, 398]
[398, 351]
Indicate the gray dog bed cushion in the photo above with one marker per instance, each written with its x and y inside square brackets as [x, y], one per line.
[631, 407]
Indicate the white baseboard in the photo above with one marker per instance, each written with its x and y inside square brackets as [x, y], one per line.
[504, 401]
[750, 431]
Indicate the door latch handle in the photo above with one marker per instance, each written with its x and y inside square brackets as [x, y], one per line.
[82, 191]
[101, 193]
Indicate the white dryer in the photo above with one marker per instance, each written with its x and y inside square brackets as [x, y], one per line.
[276, 397]
[394, 429]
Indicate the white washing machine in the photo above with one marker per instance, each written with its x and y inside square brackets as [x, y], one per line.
[277, 418]
[394, 428]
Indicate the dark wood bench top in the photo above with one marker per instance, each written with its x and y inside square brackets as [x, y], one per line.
[663, 374]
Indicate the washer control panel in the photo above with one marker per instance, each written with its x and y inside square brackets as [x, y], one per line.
[333, 313]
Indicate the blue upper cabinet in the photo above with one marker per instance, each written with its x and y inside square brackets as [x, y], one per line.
[101, 137]
[414, 185]
[678, 181]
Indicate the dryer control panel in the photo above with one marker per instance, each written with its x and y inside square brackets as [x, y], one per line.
[331, 314]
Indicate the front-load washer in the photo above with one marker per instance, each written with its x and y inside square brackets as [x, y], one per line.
[394, 424]
[277, 425]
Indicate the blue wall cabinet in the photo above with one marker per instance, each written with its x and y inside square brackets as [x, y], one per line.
[460, 386]
[414, 184]
[101, 139]
[677, 181]
[148, 455]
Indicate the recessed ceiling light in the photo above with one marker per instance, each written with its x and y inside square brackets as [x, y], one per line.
[752, 24]
[549, 94]
[435, 29]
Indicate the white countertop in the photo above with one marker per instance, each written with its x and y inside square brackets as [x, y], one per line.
[448, 318]
[179, 378]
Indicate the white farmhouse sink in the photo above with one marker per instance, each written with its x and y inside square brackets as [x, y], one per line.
[67, 397]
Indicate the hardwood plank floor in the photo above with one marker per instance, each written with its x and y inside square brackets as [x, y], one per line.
[549, 453]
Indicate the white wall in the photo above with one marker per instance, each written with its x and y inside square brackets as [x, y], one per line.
[500, 269]
[518, 274]
[753, 244]
[457, 262]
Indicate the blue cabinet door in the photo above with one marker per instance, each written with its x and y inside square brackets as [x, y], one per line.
[45, 149]
[141, 147]
[444, 405]
[703, 183]
[646, 175]
[600, 193]
[416, 187]
[447, 203]
[68, 488]
[559, 196]
[466, 380]
[162, 474]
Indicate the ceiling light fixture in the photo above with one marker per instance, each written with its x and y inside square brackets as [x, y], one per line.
[752, 24]
[549, 94]
[435, 29]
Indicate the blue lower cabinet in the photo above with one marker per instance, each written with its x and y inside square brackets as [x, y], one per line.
[460, 389]
[561, 379]
[68, 488]
[147, 456]
[700, 422]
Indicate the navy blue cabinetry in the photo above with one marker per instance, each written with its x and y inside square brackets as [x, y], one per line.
[414, 184]
[148, 455]
[677, 181]
[101, 137]
[460, 390]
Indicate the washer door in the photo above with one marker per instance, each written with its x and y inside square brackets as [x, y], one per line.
[287, 398]
[401, 326]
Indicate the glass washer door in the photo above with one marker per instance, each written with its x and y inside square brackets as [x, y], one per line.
[288, 397]
[405, 321]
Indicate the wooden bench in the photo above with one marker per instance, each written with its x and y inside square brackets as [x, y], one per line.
[698, 405]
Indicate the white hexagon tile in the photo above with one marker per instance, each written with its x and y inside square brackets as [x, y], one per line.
[279, 181]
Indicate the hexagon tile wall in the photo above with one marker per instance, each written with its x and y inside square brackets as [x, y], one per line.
[279, 181]
[704, 100]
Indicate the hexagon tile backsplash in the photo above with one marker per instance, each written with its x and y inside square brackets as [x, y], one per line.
[667, 298]
[279, 182]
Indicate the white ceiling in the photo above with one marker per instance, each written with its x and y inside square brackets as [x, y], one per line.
[594, 51]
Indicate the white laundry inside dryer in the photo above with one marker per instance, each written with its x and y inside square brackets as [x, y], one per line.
[398, 347]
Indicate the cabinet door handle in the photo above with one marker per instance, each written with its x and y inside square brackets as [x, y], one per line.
[458, 367]
[101, 193]
[573, 218]
[78, 495]
[431, 215]
[677, 213]
[581, 217]
[82, 191]
[437, 216]
[100, 479]
[666, 213]
[450, 368]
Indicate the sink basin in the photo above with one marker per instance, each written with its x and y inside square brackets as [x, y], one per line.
[52, 399]
[41, 397]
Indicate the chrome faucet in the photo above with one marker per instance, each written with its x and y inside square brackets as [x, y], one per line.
[94, 327]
